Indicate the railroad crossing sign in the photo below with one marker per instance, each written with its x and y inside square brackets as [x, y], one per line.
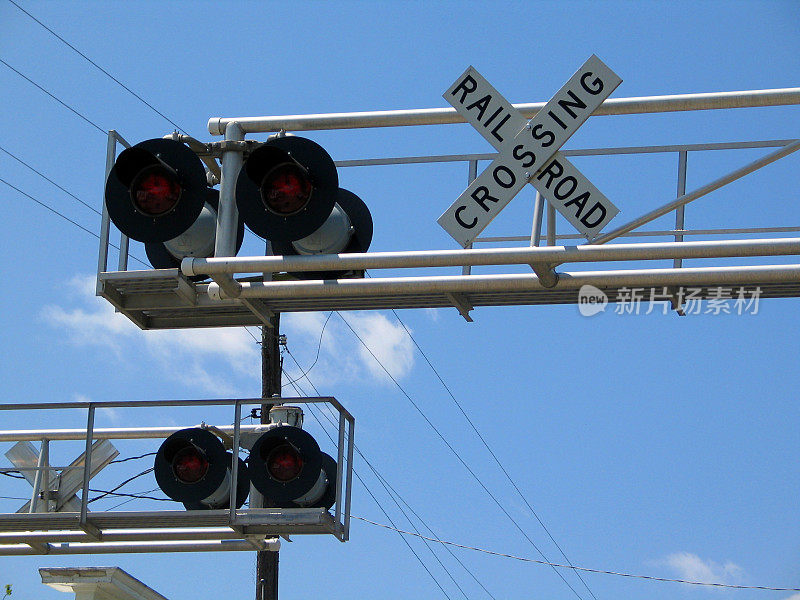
[58, 489]
[528, 152]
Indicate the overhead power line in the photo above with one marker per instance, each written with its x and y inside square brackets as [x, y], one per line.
[587, 569]
[46, 178]
[101, 69]
[110, 492]
[66, 218]
[489, 449]
[395, 495]
[50, 208]
[56, 98]
[460, 459]
[304, 373]
[390, 490]
[379, 505]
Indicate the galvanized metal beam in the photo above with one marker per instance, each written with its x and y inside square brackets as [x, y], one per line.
[546, 255]
[442, 116]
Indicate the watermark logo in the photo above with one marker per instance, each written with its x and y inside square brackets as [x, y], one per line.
[591, 300]
[687, 300]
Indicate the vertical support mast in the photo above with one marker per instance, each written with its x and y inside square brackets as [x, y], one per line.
[267, 561]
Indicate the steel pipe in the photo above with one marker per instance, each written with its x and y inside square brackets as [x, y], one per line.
[705, 276]
[113, 433]
[542, 255]
[183, 534]
[442, 116]
[232, 159]
[139, 547]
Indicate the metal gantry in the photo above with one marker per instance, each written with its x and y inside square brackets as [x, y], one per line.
[158, 299]
[56, 521]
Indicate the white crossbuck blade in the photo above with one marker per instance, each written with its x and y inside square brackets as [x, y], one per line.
[528, 152]
[24, 456]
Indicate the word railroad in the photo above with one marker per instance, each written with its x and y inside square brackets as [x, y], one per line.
[528, 152]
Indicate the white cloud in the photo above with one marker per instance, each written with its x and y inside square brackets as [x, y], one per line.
[190, 356]
[691, 567]
[218, 360]
[433, 313]
[342, 356]
[387, 342]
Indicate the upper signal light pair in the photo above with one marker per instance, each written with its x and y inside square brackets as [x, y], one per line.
[287, 192]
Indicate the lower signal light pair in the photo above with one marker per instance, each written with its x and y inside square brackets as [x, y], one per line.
[285, 465]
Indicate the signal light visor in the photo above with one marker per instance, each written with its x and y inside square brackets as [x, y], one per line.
[286, 189]
[190, 465]
[155, 191]
[284, 462]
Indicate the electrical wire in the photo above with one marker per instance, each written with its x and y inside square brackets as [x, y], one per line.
[387, 487]
[131, 499]
[66, 218]
[386, 514]
[587, 569]
[427, 545]
[486, 445]
[252, 335]
[132, 496]
[104, 494]
[61, 102]
[458, 456]
[51, 209]
[316, 358]
[46, 178]
[491, 452]
[101, 69]
[122, 460]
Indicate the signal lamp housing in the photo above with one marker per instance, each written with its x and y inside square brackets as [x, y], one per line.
[198, 240]
[287, 188]
[193, 467]
[347, 229]
[156, 190]
[287, 467]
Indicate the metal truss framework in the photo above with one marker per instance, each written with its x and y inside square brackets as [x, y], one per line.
[243, 291]
[36, 529]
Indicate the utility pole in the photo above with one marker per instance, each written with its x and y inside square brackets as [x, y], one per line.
[266, 561]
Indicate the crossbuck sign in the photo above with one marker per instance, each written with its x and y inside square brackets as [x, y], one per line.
[528, 152]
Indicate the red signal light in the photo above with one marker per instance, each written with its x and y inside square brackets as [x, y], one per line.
[286, 189]
[189, 465]
[284, 462]
[155, 192]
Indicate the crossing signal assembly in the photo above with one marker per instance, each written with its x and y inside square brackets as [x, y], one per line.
[287, 192]
[286, 466]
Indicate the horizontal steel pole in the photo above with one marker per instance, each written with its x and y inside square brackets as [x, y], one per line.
[441, 116]
[135, 547]
[115, 433]
[184, 534]
[153, 403]
[492, 256]
[513, 283]
[410, 160]
[651, 233]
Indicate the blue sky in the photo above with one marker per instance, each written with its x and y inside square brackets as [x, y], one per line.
[647, 444]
